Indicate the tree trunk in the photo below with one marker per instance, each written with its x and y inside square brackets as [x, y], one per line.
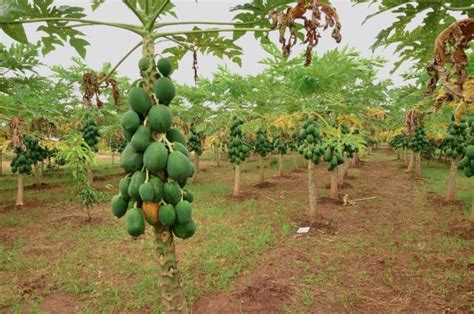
[471, 218]
[280, 165]
[113, 158]
[418, 164]
[405, 156]
[313, 202]
[355, 160]
[262, 173]
[237, 181]
[218, 156]
[412, 162]
[42, 166]
[19, 193]
[173, 299]
[196, 165]
[90, 175]
[453, 173]
[1, 163]
[37, 175]
[334, 182]
[369, 150]
[398, 154]
[295, 161]
[344, 168]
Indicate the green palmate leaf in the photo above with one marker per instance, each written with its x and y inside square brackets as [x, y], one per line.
[96, 4]
[16, 32]
[79, 44]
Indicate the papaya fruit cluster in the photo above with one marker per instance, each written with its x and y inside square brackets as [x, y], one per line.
[332, 156]
[399, 141]
[280, 145]
[90, 134]
[262, 144]
[194, 141]
[419, 140]
[157, 163]
[467, 163]
[28, 155]
[349, 149]
[238, 149]
[455, 143]
[310, 137]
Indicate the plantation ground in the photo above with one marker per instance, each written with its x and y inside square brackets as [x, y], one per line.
[405, 250]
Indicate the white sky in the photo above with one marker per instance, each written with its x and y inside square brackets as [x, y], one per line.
[109, 44]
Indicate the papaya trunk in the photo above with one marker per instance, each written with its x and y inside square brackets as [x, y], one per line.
[398, 154]
[172, 296]
[90, 175]
[334, 182]
[218, 157]
[36, 175]
[405, 156]
[1, 163]
[418, 164]
[471, 218]
[312, 193]
[49, 161]
[262, 173]
[369, 150]
[451, 193]
[196, 161]
[42, 166]
[412, 162]
[295, 161]
[280, 165]
[355, 160]
[236, 181]
[19, 193]
[113, 158]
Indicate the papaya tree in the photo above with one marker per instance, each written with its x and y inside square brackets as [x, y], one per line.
[238, 149]
[61, 26]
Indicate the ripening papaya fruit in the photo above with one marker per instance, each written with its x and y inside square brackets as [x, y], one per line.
[167, 215]
[119, 206]
[164, 90]
[164, 66]
[171, 193]
[155, 157]
[158, 186]
[174, 135]
[131, 160]
[130, 121]
[135, 222]
[179, 167]
[141, 139]
[160, 119]
[151, 213]
[147, 192]
[137, 179]
[183, 212]
[184, 231]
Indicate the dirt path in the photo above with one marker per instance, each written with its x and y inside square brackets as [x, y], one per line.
[398, 252]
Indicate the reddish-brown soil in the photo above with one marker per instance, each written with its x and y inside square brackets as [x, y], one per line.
[378, 255]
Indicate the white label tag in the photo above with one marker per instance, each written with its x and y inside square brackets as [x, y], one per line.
[303, 230]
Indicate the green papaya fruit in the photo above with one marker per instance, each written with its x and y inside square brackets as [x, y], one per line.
[171, 193]
[327, 155]
[144, 64]
[183, 212]
[188, 196]
[139, 100]
[179, 167]
[123, 188]
[131, 160]
[164, 90]
[158, 186]
[181, 148]
[155, 157]
[160, 119]
[184, 231]
[174, 135]
[147, 192]
[130, 121]
[135, 222]
[119, 206]
[141, 139]
[470, 152]
[137, 179]
[164, 66]
[167, 215]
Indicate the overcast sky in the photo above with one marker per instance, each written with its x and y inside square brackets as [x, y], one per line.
[109, 44]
